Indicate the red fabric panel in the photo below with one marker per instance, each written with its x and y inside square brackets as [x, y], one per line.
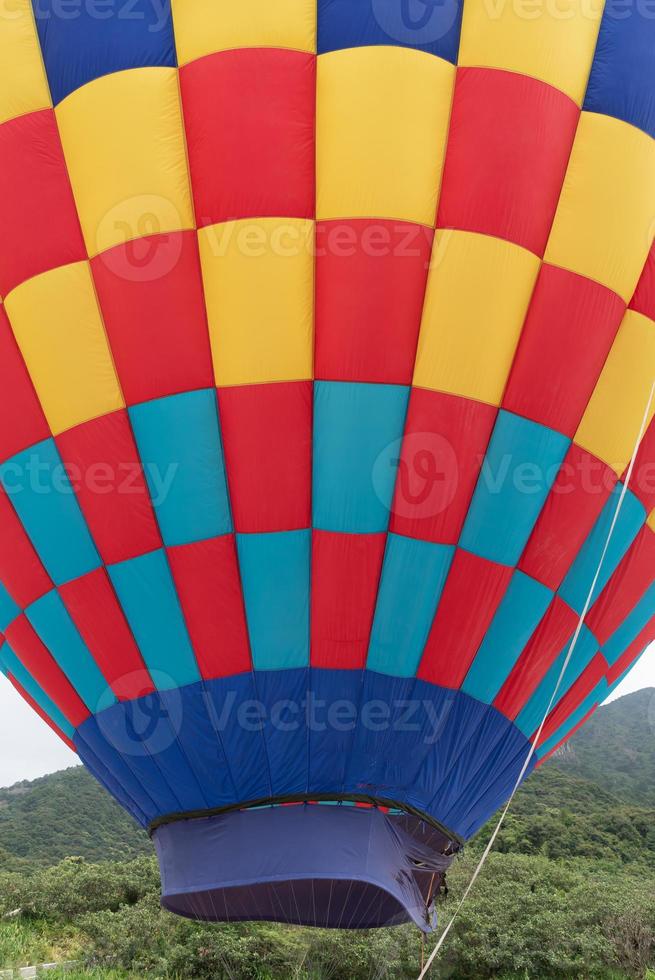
[267, 440]
[446, 438]
[206, 575]
[568, 333]
[590, 677]
[580, 492]
[544, 647]
[106, 472]
[471, 596]
[153, 305]
[95, 610]
[36, 659]
[625, 588]
[21, 570]
[642, 479]
[577, 728]
[633, 652]
[346, 572]
[40, 228]
[23, 423]
[370, 286]
[41, 713]
[249, 117]
[509, 146]
[643, 300]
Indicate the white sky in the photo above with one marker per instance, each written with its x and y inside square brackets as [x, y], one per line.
[29, 749]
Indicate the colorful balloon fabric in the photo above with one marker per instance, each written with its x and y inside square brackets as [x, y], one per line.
[326, 337]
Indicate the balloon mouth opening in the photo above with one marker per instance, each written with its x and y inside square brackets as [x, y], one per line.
[330, 866]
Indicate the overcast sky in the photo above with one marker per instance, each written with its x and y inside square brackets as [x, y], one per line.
[29, 749]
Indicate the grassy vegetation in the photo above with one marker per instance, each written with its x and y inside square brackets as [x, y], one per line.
[528, 917]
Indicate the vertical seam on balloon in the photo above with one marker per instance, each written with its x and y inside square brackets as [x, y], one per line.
[310, 604]
[225, 463]
[418, 336]
[414, 680]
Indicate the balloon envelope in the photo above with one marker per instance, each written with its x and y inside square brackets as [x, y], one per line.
[327, 335]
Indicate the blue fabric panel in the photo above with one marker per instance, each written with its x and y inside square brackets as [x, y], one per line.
[427, 25]
[147, 594]
[106, 779]
[128, 761]
[235, 711]
[318, 845]
[357, 433]
[520, 467]
[147, 732]
[180, 447]
[58, 633]
[486, 799]
[532, 714]
[575, 587]
[331, 716]
[45, 502]
[109, 761]
[631, 627]
[523, 606]
[622, 82]
[94, 40]
[599, 694]
[285, 728]
[400, 738]
[451, 723]
[410, 734]
[487, 748]
[9, 611]
[14, 667]
[275, 573]
[413, 576]
[200, 743]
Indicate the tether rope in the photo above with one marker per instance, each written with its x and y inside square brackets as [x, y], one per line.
[535, 743]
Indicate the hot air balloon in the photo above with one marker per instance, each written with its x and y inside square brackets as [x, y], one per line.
[326, 340]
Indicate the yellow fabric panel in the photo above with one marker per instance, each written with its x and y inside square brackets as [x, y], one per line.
[205, 26]
[259, 288]
[23, 84]
[57, 323]
[382, 127]
[554, 42]
[651, 520]
[124, 146]
[610, 426]
[603, 228]
[478, 294]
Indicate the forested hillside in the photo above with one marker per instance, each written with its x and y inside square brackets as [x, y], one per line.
[66, 814]
[616, 749]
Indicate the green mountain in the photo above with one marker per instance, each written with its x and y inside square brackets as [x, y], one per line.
[66, 814]
[616, 749]
[596, 798]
